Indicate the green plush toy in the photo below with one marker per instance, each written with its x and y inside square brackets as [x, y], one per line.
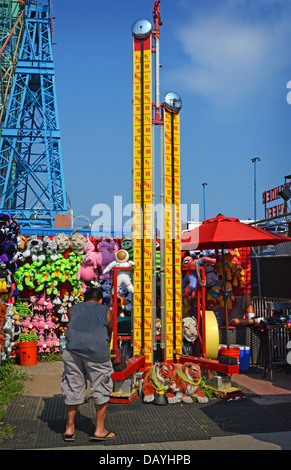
[48, 274]
[27, 337]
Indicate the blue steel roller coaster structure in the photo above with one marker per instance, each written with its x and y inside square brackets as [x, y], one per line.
[32, 187]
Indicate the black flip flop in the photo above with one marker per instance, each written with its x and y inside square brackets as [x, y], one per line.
[103, 438]
[69, 438]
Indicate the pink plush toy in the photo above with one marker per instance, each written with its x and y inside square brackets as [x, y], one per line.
[50, 324]
[35, 323]
[41, 303]
[26, 324]
[105, 256]
[89, 246]
[55, 342]
[41, 324]
[49, 307]
[41, 344]
[52, 342]
[88, 269]
[49, 341]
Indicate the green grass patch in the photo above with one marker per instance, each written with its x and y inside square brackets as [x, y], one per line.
[11, 384]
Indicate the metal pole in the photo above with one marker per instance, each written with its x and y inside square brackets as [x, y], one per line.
[254, 160]
[204, 184]
[225, 298]
[162, 245]
[157, 119]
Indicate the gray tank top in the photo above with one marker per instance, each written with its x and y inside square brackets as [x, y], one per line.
[87, 333]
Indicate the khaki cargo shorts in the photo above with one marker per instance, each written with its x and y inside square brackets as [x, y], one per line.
[76, 373]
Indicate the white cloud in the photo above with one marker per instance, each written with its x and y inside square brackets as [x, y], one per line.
[230, 56]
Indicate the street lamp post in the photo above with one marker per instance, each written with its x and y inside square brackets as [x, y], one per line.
[204, 184]
[255, 160]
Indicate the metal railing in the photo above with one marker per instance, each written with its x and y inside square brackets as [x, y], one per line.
[265, 306]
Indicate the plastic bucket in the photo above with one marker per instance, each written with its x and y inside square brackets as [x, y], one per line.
[231, 352]
[27, 353]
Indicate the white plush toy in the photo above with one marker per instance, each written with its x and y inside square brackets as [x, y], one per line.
[34, 249]
[8, 331]
[51, 248]
[63, 242]
[122, 261]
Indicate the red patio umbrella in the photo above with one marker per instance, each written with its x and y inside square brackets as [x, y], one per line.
[225, 232]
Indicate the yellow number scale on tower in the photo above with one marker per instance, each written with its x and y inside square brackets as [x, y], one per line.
[143, 188]
[172, 244]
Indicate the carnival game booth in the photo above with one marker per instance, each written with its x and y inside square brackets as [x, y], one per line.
[229, 241]
[52, 274]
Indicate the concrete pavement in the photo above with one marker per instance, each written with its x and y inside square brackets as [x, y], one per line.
[46, 378]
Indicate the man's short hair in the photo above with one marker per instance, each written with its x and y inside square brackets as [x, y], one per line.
[93, 293]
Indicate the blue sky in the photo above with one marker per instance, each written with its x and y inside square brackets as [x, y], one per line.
[230, 62]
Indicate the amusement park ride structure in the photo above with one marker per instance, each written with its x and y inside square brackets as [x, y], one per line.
[32, 186]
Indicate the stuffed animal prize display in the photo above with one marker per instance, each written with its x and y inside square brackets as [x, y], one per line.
[42, 277]
[10, 254]
[211, 261]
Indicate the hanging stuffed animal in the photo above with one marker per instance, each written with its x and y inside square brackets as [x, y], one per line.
[190, 267]
[7, 334]
[35, 249]
[105, 256]
[127, 244]
[5, 278]
[51, 248]
[10, 255]
[26, 325]
[229, 295]
[122, 260]
[35, 323]
[77, 242]
[125, 298]
[237, 272]
[88, 271]
[113, 246]
[158, 327]
[63, 242]
[211, 277]
[22, 243]
[41, 343]
[214, 295]
[227, 260]
[106, 287]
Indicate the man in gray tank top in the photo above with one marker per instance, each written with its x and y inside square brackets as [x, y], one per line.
[87, 356]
